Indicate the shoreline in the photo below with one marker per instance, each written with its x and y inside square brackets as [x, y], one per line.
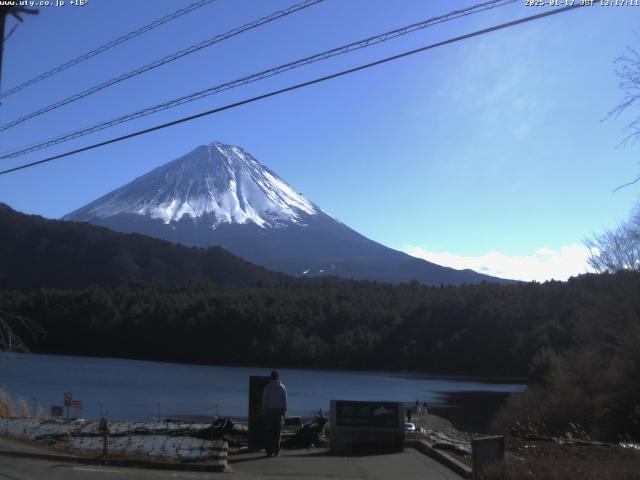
[179, 391]
[501, 380]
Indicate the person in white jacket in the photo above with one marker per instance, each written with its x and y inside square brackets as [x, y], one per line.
[274, 403]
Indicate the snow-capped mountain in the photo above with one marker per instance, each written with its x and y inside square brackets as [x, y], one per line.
[221, 195]
[214, 181]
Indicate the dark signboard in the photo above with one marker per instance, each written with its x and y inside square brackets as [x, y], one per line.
[256, 413]
[57, 411]
[486, 451]
[367, 414]
[67, 399]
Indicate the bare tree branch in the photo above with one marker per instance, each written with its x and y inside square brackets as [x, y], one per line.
[626, 185]
[627, 68]
[628, 72]
[616, 249]
[9, 340]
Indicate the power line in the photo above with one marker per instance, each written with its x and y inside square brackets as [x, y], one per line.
[107, 46]
[163, 61]
[299, 86]
[15, 27]
[259, 76]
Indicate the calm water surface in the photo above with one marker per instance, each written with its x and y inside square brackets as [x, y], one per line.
[143, 390]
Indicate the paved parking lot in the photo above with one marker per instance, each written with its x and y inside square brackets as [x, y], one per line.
[308, 464]
[319, 464]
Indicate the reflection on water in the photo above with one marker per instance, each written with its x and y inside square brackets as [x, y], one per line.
[143, 390]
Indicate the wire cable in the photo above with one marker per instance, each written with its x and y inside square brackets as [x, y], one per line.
[273, 93]
[163, 61]
[259, 76]
[107, 46]
[11, 32]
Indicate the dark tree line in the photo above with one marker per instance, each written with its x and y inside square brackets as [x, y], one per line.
[481, 329]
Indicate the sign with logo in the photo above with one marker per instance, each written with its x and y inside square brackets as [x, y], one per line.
[67, 399]
[366, 427]
[367, 414]
[57, 411]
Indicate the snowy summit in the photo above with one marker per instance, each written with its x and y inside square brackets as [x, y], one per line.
[217, 179]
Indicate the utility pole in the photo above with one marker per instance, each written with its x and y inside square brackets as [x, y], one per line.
[15, 11]
[3, 15]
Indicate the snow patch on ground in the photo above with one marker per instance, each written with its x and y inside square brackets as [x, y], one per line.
[168, 440]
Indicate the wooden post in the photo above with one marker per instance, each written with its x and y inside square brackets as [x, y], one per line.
[103, 427]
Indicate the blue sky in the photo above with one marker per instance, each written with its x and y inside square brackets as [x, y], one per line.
[489, 153]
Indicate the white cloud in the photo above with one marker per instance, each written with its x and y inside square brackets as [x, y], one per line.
[543, 264]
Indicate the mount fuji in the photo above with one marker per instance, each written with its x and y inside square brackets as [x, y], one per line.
[221, 195]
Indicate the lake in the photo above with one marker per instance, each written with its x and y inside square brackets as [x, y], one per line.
[143, 390]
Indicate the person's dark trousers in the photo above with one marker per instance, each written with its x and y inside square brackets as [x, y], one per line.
[273, 428]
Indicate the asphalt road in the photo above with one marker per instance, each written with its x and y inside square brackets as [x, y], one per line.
[304, 464]
[28, 469]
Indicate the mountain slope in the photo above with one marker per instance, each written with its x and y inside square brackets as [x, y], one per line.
[36, 252]
[221, 195]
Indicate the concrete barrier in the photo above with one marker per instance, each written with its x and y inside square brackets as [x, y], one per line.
[442, 457]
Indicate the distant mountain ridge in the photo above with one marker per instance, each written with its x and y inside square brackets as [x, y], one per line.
[221, 195]
[36, 252]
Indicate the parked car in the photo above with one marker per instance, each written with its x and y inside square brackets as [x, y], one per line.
[409, 427]
[293, 422]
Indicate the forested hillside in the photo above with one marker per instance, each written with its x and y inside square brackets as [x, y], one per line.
[37, 252]
[479, 329]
